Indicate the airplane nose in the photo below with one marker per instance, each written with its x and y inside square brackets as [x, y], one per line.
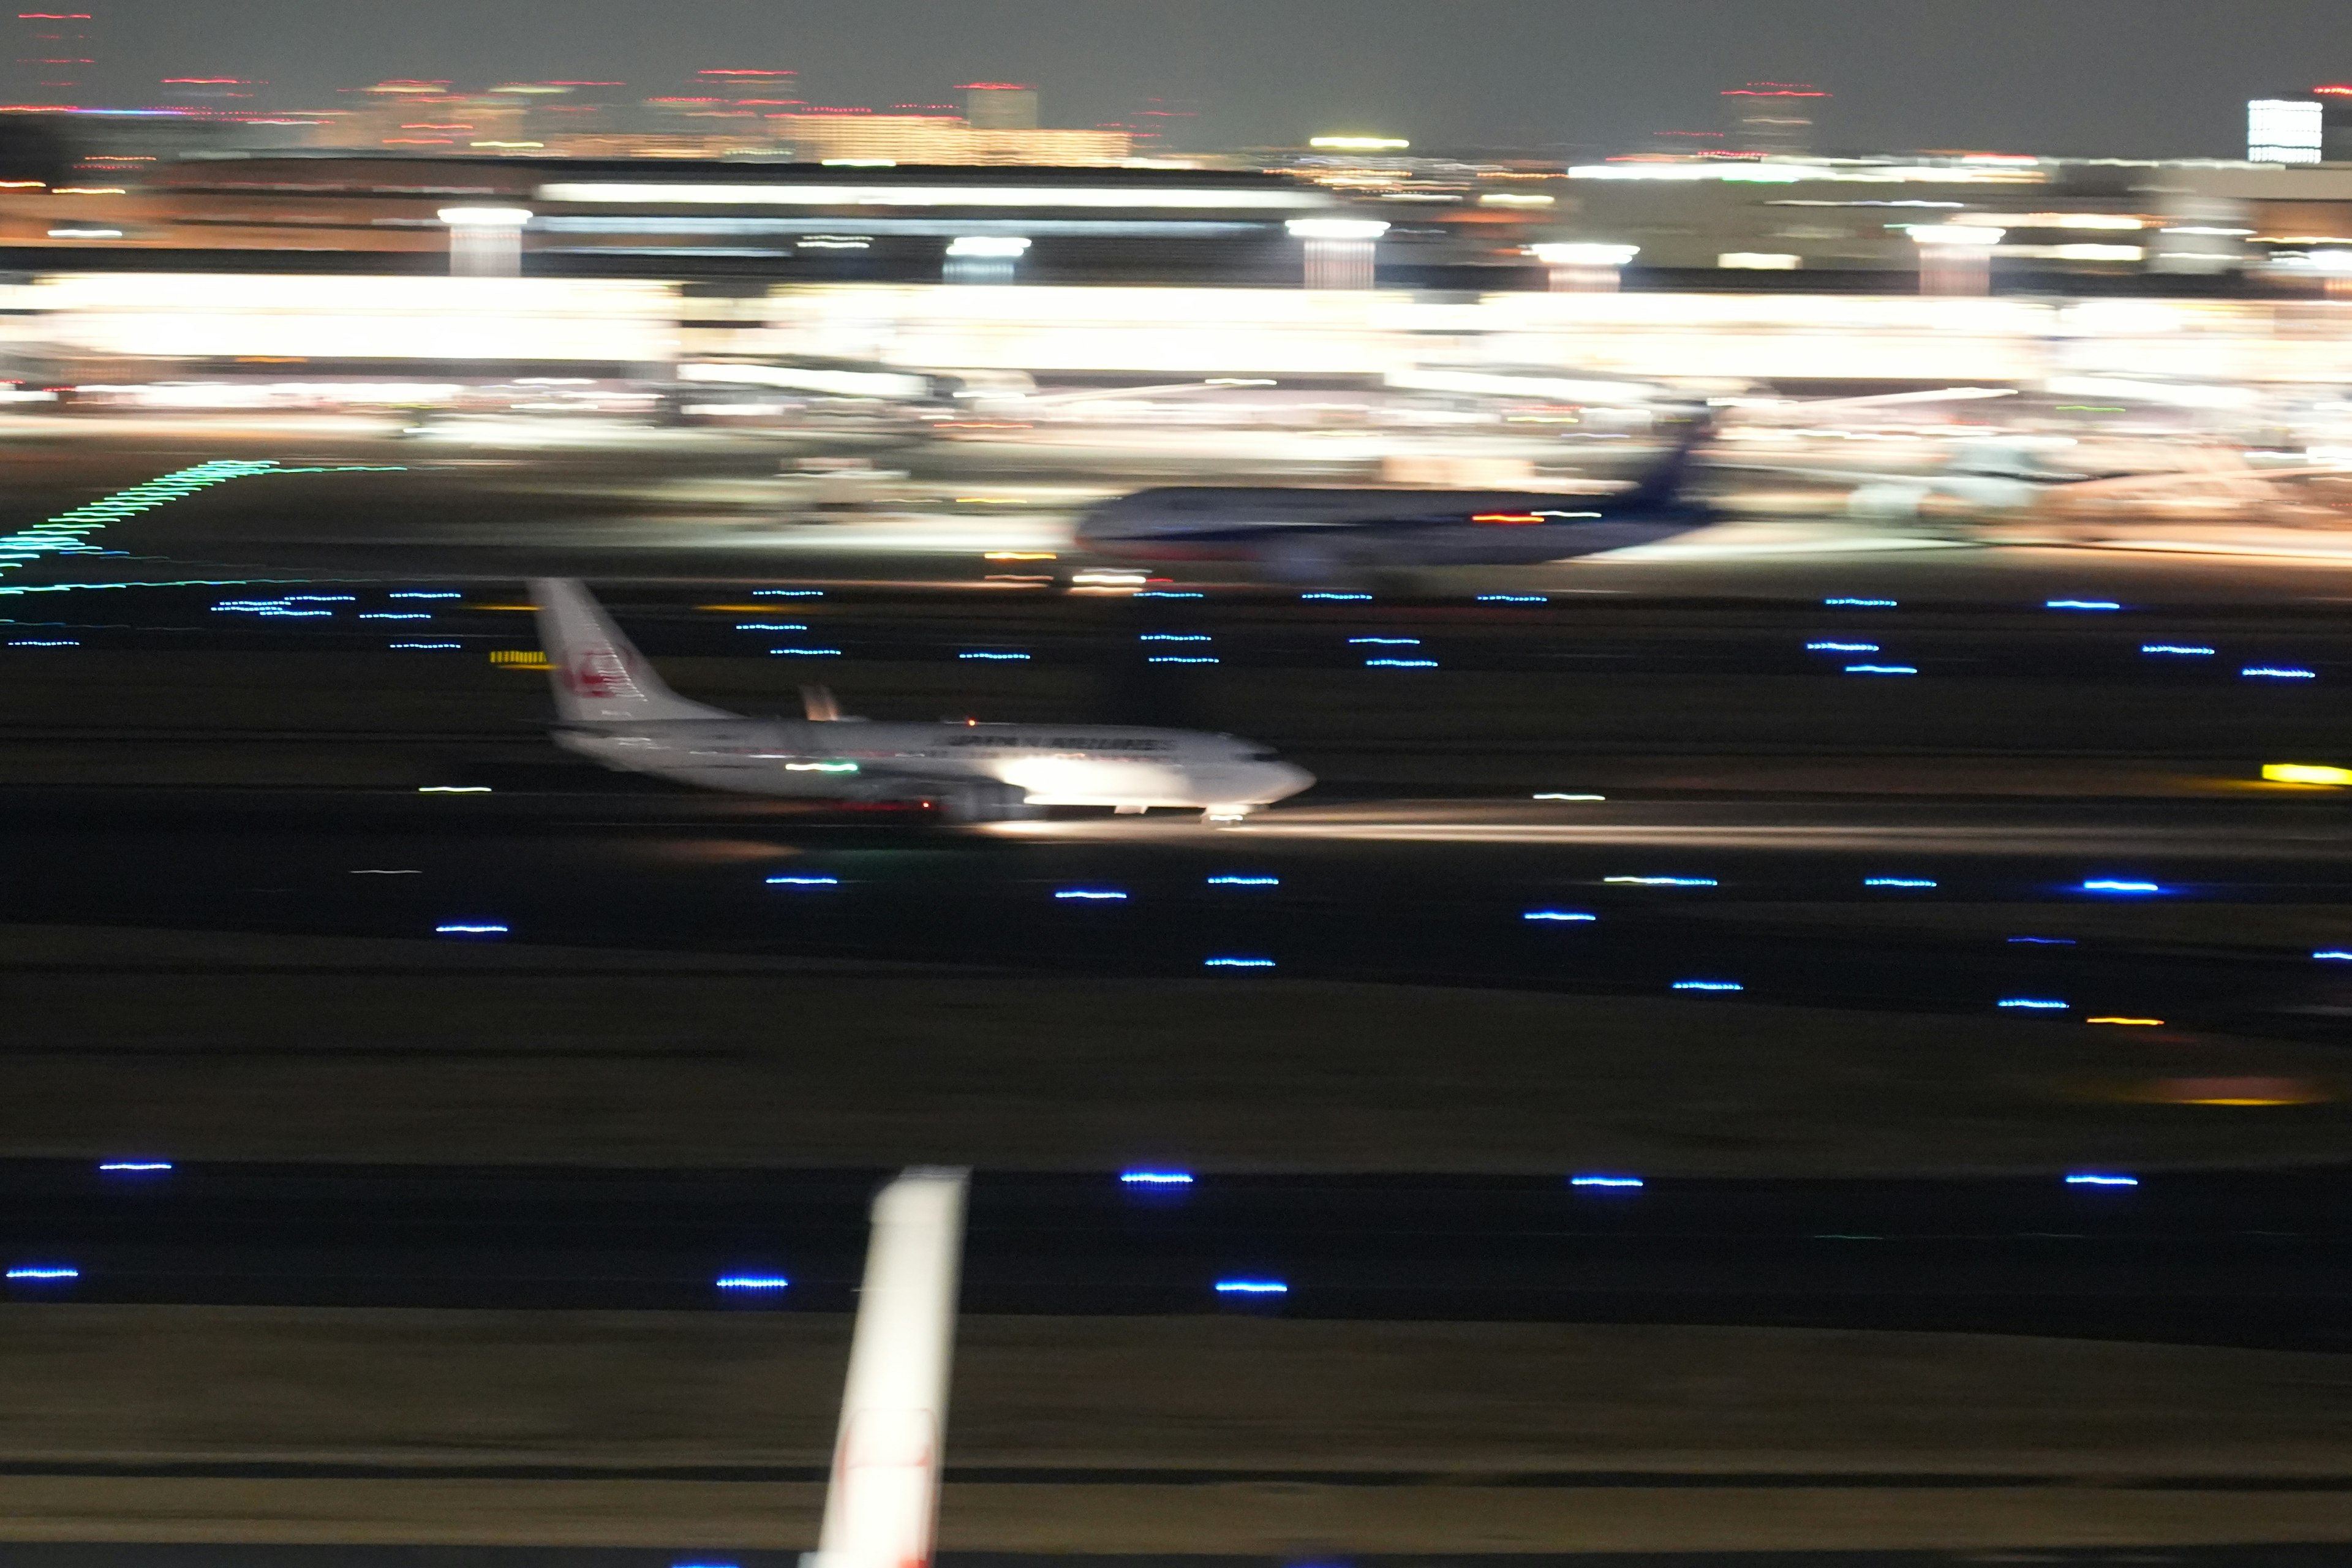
[1281, 781]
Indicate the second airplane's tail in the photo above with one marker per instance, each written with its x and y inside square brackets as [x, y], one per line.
[599, 676]
[1665, 485]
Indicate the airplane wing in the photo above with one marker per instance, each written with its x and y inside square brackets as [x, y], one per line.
[2125, 484]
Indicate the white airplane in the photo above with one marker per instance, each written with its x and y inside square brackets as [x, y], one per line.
[2035, 480]
[614, 708]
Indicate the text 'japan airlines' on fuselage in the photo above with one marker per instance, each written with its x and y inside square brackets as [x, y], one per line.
[1304, 535]
[614, 710]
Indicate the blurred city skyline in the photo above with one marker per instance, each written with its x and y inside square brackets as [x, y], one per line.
[2117, 77]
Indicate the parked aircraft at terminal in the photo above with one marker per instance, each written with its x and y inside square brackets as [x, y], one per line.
[2064, 485]
[614, 708]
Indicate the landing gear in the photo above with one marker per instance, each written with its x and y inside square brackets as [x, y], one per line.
[1224, 815]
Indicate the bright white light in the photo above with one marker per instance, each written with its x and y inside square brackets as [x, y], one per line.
[1002, 246]
[1516, 199]
[2097, 252]
[484, 217]
[798, 195]
[1361, 143]
[1581, 253]
[799, 378]
[1759, 260]
[1337, 227]
[1961, 236]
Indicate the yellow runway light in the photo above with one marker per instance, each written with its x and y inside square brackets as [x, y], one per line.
[2304, 774]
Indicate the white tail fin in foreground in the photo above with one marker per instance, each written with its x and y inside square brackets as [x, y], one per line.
[599, 676]
[881, 1510]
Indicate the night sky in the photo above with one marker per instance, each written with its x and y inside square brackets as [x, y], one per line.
[2160, 78]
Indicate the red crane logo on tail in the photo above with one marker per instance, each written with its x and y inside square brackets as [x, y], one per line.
[599, 674]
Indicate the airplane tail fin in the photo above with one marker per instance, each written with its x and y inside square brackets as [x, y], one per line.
[599, 676]
[1665, 484]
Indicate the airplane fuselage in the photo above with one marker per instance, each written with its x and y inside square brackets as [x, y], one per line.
[1033, 765]
[1320, 527]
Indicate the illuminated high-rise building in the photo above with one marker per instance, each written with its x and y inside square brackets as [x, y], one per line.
[1165, 125]
[49, 57]
[1000, 105]
[727, 100]
[2285, 130]
[1772, 118]
[216, 94]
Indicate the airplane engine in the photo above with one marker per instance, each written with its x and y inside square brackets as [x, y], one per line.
[983, 800]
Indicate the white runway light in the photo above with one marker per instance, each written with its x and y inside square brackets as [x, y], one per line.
[881, 1509]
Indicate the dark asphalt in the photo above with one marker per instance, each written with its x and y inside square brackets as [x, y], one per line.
[2218, 1258]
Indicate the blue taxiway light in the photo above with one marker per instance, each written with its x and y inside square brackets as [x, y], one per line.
[806, 652]
[2088, 1179]
[1604, 1181]
[2081, 604]
[425, 646]
[1862, 603]
[1898, 882]
[1348, 596]
[770, 627]
[1090, 893]
[788, 592]
[1237, 963]
[2041, 941]
[1178, 658]
[1660, 881]
[45, 642]
[1513, 599]
[1566, 917]
[2035, 1005]
[1708, 985]
[803, 881]
[401, 615]
[1383, 642]
[2333, 955]
[752, 1282]
[2187, 649]
[134, 1167]
[44, 1271]
[1244, 881]
[425, 595]
[2277, 672]
[2110, 884]
[1006, 658]
[1400, 664]
[1157, 1178]
[1882, 670]
[470, 930]
[1252, 1288]
[1175, 637]
[1161, 595]
[1841, 648]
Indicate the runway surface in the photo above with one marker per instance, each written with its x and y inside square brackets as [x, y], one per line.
[2182, 1257]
